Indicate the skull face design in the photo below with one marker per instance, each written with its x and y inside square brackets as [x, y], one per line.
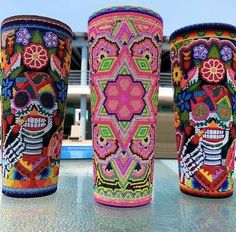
[34, 103]
[212, 114]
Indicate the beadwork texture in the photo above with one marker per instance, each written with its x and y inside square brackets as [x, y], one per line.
[35, 63]
[125, 49]
[203, 73]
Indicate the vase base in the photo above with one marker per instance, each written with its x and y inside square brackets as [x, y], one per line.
[29, 193]
[204, 194]
[122, 203]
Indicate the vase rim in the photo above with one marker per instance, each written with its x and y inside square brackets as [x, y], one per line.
[36, 18]
[202, 26]
[125, 8]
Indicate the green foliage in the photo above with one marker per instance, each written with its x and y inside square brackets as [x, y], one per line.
[19, 48]
[37, 38]
[176, 109]
[179, 45]
[184, 117]
[214, 52]
[234, 118]
[216, 92]
[232, 35]
[16, 72]
[219, 33]
[66, 80]
[230, 87]
[61, 106]
[52, 51]
[177, 90]
[186, 36]
[187, 42]
[201, 33]
[228, 64]
[54, 75]
[2, 75]
[38, 79]
[197, 63]
[7, 105]
[194, 86]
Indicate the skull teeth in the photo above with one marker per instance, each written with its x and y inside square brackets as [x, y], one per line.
[214, 134]
[35, 122]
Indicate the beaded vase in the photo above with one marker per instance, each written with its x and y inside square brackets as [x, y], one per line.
[35, 63]
[203, 60]
[125, 50]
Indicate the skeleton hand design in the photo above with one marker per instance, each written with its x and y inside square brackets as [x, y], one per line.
[192, 157]
[13, 152]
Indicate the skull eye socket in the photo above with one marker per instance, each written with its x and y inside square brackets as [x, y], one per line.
[224, 112]
[200, 112]
[47, 100]
[21, 99]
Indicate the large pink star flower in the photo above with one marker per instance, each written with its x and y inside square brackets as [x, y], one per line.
[124, 98]
[212, 70]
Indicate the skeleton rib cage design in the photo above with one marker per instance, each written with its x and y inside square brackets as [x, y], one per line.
[33, 118]
[203, 75]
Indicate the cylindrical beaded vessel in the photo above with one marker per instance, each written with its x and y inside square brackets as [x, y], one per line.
[35, 64]
[125, 50]
[203, 60]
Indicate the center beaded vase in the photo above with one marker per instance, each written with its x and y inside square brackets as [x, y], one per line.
[35, 64]
[125, 49]
[203, 73]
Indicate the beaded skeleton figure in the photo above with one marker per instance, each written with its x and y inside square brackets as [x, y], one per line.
[34, 104]
[212, 123]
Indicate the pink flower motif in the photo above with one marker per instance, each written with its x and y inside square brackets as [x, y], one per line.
[35, 56]
[101, 50]
[144, 147]
[212, 70]
[124, 98]
[103, 147]
[146, 49]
